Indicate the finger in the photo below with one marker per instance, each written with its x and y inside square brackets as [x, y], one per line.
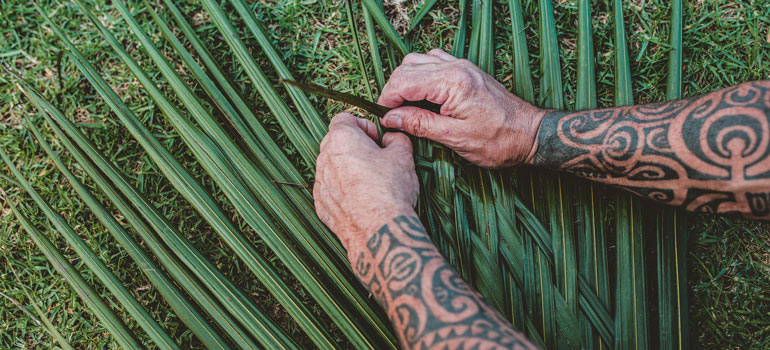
[340, 120]
[418, 58]
[351, 131]
[415, 83]
[422, 123]
[369, 128]
[397, 141]
[442, 55]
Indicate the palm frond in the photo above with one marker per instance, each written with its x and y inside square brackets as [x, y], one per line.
[100, 269]
[86, 293]
[672, 224]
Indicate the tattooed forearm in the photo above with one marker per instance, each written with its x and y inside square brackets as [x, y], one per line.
[707, 154]
[428, 303]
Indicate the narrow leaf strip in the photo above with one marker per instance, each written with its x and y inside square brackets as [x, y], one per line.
[227, 164]
[522, 78]
[387, 28]
[424, 9]
[89, 296]
[173, 296]
[170, 235]
[124, 297]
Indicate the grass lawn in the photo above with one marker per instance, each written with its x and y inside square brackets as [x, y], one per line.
[725, 43]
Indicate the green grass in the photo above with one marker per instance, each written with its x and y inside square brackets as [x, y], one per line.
[725, 43]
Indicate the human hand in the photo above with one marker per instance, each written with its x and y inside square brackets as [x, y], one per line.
[359, 186]
[480, 119]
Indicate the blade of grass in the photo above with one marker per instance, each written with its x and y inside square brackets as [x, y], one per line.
[46, 321]
[390, 33]
[48, 326]
[113, 284]
[86, 293]
[424, 9]
[181, 306]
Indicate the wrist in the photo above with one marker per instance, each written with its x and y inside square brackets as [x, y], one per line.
[524, 121]
[374, 223]
[538, 118]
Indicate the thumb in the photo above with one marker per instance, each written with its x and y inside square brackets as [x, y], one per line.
[397, 141]
[420, 122]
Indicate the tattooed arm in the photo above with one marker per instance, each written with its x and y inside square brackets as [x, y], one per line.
[365, 194]
[706, 154]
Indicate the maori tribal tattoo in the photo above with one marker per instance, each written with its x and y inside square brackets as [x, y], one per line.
[706, 154]
[428, 303]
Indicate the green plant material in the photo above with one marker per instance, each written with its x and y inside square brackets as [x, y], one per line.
[458, 46]
[474, 42]
[378, 14]
[239, 305]
[522, 78]
[551, 93]
[45, 323]
[674, 86]
[424, 9]
[586, 75]
[672, 277]
[300, 137]
[631, 293]
[374, 49]
[623, 91]
[359, 52]
[350, 99]
[226, 173]
[86, 293]
[246, 123]
[360, 102]
[672, 224]
[590, 233]
[173, 296]
[113, 284]
[166, 232]
[311, 117]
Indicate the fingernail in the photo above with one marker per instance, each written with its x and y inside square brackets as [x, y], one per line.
[392, 120]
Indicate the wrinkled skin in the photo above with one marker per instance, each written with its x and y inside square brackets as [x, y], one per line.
[360, 185]
[480, 119]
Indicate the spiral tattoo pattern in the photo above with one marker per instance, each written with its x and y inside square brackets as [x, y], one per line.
[430, 306]
[708, 154]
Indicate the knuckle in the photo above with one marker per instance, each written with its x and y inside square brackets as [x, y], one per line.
[410, 57]
[418, 125]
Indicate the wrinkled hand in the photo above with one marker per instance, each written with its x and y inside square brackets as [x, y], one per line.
[480, 119]
[359, 185]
